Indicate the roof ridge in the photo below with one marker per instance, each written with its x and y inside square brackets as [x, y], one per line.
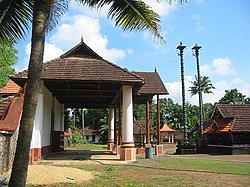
[124, 70]
[78, 45]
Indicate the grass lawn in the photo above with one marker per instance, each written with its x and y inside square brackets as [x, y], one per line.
[163, 171]
[87, 146]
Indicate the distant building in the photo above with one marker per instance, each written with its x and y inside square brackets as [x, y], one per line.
[91, 135]
[167, 134]
[229, 129]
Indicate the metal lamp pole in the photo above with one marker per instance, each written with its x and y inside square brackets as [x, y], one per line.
[196, 49]
[184, 115]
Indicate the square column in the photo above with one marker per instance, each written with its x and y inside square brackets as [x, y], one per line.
[111, 130]
[128, 150]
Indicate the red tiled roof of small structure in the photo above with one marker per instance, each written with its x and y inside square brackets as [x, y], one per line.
[153, 83]
[166, 128]
[90, 132]
[234, 117]
[10, 88]
[220, 126]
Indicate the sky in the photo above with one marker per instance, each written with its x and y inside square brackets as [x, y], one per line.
[222, 28]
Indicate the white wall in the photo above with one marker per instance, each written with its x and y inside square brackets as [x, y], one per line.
[36, 141]
[46, 117]
[97, 138]
[57, 114]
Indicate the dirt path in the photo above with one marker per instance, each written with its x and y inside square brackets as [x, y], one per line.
[46, 175]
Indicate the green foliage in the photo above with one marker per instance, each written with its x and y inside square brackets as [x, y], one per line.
[104, 133]
[206, 86]
[68, 121]
[8, 57]
[77, 137]
[94, 118]
[139, 111]
[233, 96]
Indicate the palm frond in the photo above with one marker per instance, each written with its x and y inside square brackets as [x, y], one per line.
[56, 10]
[15, 17]
[130, 14]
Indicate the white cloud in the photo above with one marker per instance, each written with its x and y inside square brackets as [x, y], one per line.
[162, 8]
[68, 34]
[199, 26]
[174, 89]
[219, 67]
[50, 52]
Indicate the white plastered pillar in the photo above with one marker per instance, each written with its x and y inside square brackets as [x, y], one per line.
[111, 128]
[36, 141]
[128, 151]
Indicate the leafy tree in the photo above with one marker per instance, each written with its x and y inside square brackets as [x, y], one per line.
[68, 121]
[14, 18]
[233, 96]
[208, 110]
[139, 111]
[8, 57]
[206, 86]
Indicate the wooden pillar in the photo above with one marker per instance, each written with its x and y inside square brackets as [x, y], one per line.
[158, 147]
[111, 128]
[147, 123]
[158, 121]
[120, 122]
[115, 126]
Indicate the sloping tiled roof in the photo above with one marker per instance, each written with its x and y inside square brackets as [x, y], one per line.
[234, 118]
[166, 128]
[220, 126]
[153, 83]
[10, 88]
[90, 132]
[82, 63]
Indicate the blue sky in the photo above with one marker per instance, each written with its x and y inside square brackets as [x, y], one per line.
[222, 28]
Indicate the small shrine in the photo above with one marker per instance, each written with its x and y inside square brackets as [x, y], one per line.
[167, 134]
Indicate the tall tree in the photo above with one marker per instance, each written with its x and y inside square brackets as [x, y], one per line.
[8, 57]
[129, 14]
[233, 96]
[206, 86]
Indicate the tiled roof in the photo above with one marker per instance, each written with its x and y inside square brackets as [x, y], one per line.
[82, 63]
[235, 118]
[153, 83]
[90, 132]
[220, 126]
[166, 128]
[10, 88]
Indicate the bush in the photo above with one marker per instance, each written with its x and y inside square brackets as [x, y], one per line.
[77, 137]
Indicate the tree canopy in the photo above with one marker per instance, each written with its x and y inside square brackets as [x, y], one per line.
[8, 57]
[233, 96]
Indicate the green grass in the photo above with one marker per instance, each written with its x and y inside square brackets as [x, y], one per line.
[87, 146]
[207, 165]
[163, 171]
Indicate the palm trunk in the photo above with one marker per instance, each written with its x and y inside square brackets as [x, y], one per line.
[20, 165]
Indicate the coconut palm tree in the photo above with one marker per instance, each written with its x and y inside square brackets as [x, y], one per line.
[15, 16]
[206, 86]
